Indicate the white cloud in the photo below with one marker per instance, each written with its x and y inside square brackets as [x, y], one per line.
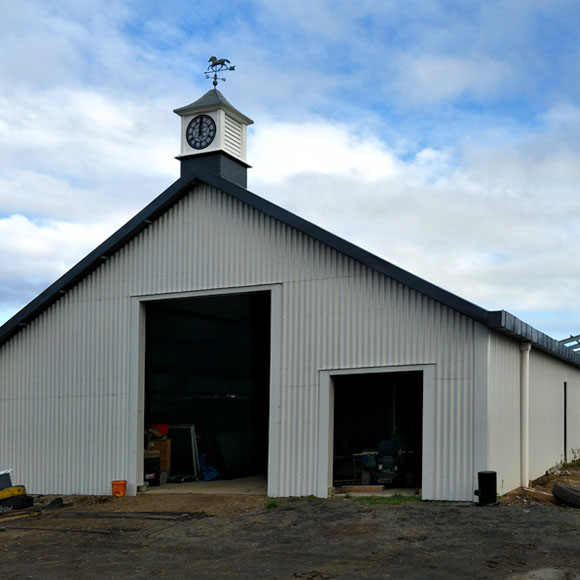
[564, 116]
[36, 254]
[431, 78]
[83, 131]
[490, 230]
[283, 149]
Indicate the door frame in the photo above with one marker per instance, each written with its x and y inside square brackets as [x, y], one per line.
[138, 375]
[326, 423]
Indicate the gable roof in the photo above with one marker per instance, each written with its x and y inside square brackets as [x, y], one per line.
[500, 321]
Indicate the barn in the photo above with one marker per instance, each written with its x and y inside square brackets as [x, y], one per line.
[295, 354]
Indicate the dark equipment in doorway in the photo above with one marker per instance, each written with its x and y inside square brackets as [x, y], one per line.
[378, 421]
[208, 365]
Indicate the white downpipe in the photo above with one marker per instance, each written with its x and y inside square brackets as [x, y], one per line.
[525, 348]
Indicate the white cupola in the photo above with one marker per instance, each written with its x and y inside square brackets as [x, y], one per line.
[213, 137]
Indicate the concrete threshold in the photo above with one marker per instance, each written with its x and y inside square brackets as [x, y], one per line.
[254, 485]
[389, 492]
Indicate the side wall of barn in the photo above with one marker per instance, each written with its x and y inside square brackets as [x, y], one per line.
[547, 376]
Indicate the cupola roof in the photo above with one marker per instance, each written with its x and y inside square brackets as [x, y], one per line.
[212, 100]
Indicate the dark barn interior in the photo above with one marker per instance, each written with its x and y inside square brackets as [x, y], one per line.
[378, 420]
[208, 365]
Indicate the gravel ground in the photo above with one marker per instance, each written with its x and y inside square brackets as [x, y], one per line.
[187, 536]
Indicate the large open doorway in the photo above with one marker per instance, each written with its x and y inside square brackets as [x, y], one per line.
[207, 371]
[378, 429]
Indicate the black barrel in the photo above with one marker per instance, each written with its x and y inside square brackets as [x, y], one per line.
[487, 492]
[152, 470]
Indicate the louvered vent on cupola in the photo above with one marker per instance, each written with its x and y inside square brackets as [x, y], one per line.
[233, 137]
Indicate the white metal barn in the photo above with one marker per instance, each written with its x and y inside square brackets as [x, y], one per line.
[288, 345]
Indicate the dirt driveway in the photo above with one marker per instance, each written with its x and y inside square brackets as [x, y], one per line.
[253, 537]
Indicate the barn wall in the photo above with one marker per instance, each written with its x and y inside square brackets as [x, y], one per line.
[69, 381]
[573, 439]
[504, 411]
[547, 377]
[65, 396]
[546, 420]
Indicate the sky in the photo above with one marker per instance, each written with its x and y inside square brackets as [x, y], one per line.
[443, 136]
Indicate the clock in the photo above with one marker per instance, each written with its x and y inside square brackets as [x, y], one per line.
[200, 132]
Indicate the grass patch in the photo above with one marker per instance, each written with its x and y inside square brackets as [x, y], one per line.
[572, 465]
[396, 499]
[271, 505]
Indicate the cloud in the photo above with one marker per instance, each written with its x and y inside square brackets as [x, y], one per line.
[60, 41]
[35, 254]
[494, 229]
[93, 128]
[441, 135]
[281, 149]
[431, 79]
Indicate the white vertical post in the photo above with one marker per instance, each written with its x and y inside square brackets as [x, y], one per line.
[525, 348]
[274, 429]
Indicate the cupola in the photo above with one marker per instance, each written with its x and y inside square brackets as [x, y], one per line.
[213, 137]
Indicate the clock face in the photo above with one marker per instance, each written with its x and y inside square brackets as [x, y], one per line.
[200, 132]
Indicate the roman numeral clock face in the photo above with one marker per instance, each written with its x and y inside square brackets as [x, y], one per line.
[200, 132]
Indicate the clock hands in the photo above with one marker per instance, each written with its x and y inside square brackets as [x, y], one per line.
[201, 132]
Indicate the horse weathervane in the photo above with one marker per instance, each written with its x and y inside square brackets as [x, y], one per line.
[218, 65]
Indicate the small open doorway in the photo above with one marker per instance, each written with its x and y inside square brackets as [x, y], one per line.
[207, 374]
[378, 430]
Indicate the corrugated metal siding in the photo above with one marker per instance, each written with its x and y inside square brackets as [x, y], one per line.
[65, 411]
[546, 421]
[68, 387]
[547, 377]
[504, 411]
[573, 438]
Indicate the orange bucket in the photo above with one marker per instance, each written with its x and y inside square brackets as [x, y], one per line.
[119, 488]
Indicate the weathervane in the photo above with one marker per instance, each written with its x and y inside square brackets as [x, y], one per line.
[218, 65]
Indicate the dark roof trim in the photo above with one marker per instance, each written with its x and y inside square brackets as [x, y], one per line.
[499, 320]
[349, 249]
[508, 324]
